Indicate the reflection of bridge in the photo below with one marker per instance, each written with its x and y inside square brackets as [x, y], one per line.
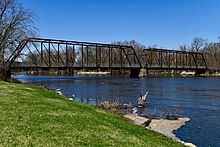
[40, 53]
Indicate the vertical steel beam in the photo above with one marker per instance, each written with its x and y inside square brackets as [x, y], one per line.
[100, 55]
[161, 59]
[74, 56]
[96, 54]
[41, 53]
[112, 56]
[82, 54]
[183, 59]
[87, 55]
[176, 59]
[109, 55]
[121, 62]
[158, 58]
[49, 53]
[169, 58]
[67, 55]
[151, 58]
[147, 59]
[58, 54]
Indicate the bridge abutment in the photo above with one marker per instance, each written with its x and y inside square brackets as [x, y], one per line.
[5, 74]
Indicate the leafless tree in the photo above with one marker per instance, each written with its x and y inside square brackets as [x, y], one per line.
[184, 48]
[210, 50]
[212, 55]
[198, 44]
[16, 24]
[138, 47]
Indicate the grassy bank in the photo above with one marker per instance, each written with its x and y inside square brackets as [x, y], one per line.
[32, 116]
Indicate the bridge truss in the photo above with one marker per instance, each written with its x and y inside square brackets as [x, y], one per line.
[62, 54]
[164, 59]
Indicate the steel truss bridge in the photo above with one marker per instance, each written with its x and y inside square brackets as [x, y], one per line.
[38, 53]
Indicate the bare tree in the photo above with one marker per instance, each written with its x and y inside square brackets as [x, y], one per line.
[212, 55]
[136, 45]
[16, 24]
[184, 48]
[198, 44]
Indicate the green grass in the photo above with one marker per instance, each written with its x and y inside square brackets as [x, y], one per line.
[32, 116]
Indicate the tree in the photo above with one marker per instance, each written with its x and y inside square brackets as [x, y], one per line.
[184, 48]
[212, 55]
[198, 44]
[137, 46]
[16, 24]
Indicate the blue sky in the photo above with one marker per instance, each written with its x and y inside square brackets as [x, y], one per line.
[165, 23]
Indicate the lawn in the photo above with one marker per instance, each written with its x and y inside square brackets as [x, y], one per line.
[32, 116]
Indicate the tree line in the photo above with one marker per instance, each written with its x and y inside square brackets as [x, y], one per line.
[210, 50]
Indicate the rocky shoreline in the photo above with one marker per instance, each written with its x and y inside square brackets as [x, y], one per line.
[163, 126]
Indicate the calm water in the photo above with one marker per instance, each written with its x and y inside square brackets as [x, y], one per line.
[197, 97]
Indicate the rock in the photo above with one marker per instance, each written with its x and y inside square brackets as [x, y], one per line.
[147, 123]
[189, 144]
[134, 110]
[58, 91]
[188, 73]
[172, 117]
[162, 126]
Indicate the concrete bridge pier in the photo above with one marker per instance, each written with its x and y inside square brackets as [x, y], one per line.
[200, 71]
[135, 72]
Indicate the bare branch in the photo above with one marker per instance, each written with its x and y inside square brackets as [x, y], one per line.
[16, 24]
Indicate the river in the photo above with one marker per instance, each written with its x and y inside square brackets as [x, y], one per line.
[195, 97]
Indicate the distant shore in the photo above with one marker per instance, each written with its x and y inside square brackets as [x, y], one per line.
[93, 73]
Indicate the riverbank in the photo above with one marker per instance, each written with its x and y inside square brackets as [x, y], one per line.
[32, 116]
[163, 126]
